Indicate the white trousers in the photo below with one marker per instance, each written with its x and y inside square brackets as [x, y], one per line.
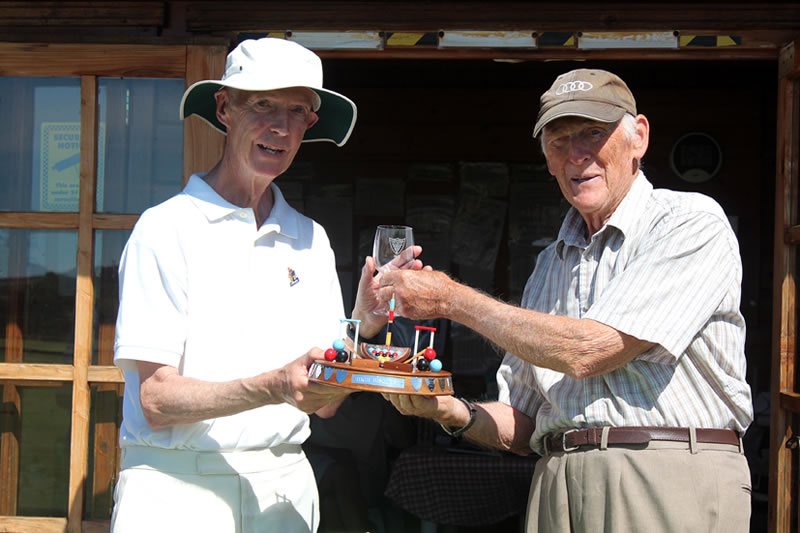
[238, 492]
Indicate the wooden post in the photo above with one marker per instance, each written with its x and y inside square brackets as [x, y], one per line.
[202, 144]
[782, 496]
[107, 400]
[84, 302]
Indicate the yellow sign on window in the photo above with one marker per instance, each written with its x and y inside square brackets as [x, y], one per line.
[60, 166]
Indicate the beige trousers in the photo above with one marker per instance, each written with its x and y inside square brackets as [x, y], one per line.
[238, 492]
[659, 487]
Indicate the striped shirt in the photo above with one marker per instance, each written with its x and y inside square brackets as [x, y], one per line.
[666, 269]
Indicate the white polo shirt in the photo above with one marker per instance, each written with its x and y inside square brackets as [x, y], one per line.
[206, 291]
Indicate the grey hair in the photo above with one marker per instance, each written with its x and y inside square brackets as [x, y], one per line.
[629, 130]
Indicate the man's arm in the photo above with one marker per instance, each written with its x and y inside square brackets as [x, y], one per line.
[167, 398]
[497, 425]
[577, 347]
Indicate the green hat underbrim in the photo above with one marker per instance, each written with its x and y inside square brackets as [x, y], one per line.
[337, 113]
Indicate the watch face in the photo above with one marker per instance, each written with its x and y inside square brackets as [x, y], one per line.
[696, 157]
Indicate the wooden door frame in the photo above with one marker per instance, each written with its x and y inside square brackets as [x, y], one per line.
[785, 400]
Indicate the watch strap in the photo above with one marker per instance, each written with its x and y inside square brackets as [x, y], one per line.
[460, 431]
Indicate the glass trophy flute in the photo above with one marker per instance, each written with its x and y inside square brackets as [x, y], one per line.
[391, 250]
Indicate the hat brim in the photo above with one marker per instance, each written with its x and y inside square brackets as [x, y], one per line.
[598, 111]
[337, 113]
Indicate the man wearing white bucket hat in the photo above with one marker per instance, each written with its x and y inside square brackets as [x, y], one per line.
[226, 295]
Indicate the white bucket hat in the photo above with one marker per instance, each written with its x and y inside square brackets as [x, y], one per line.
[267, 64]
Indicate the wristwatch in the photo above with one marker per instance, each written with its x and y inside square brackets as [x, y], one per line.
[460, 431]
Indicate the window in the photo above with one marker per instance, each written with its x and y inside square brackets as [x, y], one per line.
[92, 140]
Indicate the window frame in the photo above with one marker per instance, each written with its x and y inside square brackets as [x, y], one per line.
[202, 149]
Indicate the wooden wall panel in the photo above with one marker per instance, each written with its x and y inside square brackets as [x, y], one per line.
[16, 524]
[433, 16]
[202, 144]
[134, 60]
[83, 14]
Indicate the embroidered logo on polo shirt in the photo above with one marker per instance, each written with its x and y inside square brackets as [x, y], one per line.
[293, 279]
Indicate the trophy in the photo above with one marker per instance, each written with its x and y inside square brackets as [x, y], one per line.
[383, 367]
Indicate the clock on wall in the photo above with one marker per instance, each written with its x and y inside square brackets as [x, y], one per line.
[695, 157]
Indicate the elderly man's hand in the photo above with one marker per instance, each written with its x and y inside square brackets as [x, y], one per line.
[418, 295]
[418, 405]
[296, 389]
[369, 307]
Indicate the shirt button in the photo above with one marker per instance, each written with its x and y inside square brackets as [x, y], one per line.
[243, 214]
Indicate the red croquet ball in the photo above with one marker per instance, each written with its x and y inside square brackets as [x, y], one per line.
[430, 354]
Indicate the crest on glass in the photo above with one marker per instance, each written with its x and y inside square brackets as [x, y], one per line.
[397, 245]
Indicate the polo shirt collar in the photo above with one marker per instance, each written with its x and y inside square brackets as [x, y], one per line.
[282, 219]
[624, 218]
[630, 210]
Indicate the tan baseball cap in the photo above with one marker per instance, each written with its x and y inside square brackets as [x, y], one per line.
[590, 93]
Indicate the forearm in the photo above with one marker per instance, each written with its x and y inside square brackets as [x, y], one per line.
[168, 398]
[576, 347]
[497, 426]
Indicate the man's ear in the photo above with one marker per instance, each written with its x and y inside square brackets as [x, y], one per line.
[642, 138]
[550, 169]
[313, 118]
[223, 102]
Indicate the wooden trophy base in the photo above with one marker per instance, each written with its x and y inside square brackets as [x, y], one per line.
[391, 377]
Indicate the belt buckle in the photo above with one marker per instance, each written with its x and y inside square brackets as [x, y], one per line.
[564, 441]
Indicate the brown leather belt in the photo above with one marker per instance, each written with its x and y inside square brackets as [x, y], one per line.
[576, 438]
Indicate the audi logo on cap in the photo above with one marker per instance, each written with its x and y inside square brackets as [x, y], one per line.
[572, 86]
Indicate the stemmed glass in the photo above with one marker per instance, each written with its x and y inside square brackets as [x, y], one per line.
[392, 250]
[392, 247]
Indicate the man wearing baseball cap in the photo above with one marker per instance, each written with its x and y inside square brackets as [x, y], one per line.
[624, 365]
[226, 296]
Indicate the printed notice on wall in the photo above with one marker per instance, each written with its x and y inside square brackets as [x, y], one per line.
[60, 166]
